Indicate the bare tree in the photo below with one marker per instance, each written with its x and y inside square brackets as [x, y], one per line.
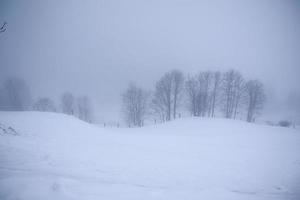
[167, 95]
[68, 103]
[204, 79]
[197, 88]
[158, 108]
[232, 86]
[163, 95]
[16, 94]
[255, 98]
[215, 91]
[178, 79]
[228, 82]
[44, 104]
[135, 102]
[204, 89]
[239, 87]
[199, 93]
[84, 109]
[192, 90]
[3, 99]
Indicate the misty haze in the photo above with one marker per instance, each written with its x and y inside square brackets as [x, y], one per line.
[136, 99]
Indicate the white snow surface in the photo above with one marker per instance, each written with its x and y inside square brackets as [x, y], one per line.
[58, 157]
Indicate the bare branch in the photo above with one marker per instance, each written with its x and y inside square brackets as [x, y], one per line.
[2, 29]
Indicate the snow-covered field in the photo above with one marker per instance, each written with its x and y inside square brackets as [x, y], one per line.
[54, 156]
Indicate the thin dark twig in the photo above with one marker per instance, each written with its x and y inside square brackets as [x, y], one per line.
[2, 29]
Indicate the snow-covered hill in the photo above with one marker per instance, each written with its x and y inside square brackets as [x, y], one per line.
[54, 156]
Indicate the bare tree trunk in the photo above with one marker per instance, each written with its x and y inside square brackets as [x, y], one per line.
[217, 76]
[135, 105]
[177, 78]
[174, 105]
[256, 98]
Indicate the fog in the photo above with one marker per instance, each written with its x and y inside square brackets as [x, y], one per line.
[98, 47]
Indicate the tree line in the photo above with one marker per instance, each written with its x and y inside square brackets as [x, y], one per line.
[206, 94]
[15, 95]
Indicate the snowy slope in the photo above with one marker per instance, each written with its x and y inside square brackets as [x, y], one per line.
[55, 156]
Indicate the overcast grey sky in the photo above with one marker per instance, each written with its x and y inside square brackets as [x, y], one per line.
[96, 47]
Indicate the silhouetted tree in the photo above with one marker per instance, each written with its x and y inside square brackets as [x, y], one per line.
[44, 104]
[16, 95]
[163, 95]
[204, 79]
[192, 90]
[255, 98]
[167, 95]
[84, 109]
[199, 93]
[239, 87]
[3, 99]
[158, 108]
[135, 102]
[68, 103]
[215, 91]
[178, 80]
[232, 88]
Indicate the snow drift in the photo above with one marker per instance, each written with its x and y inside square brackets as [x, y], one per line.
[54, 156]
